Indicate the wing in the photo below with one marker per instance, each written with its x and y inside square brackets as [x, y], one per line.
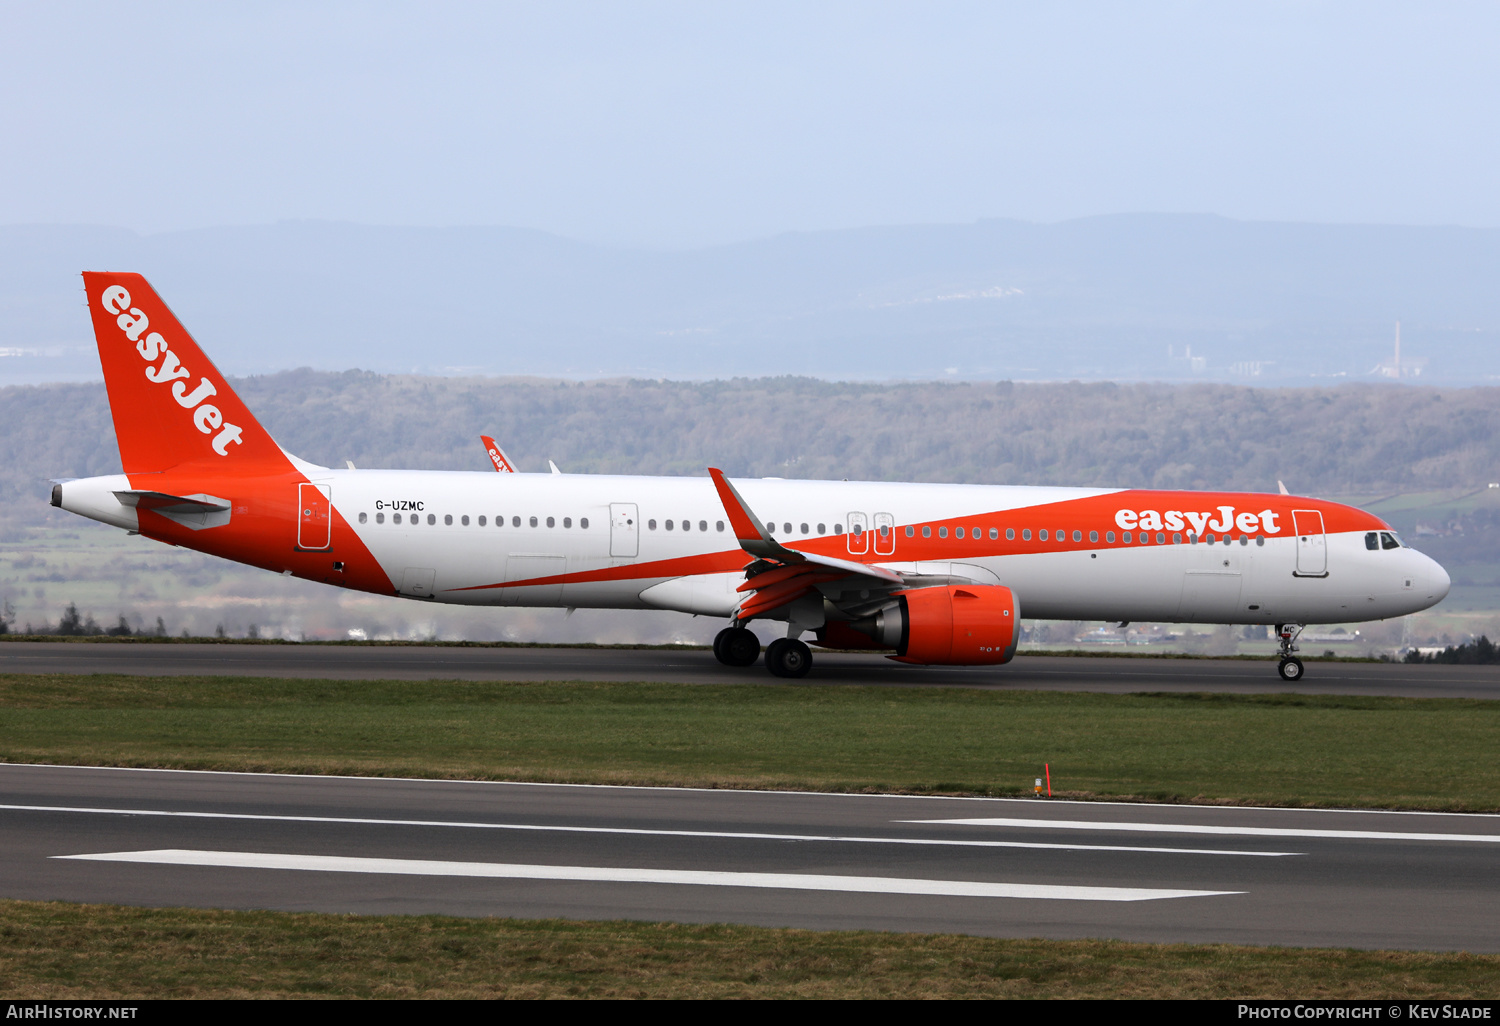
[781, 575]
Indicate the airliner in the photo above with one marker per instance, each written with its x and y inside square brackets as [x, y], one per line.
[922, 573]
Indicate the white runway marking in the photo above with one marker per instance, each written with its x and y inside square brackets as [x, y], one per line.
[543, 827]
[592, 874]
[1219, 831]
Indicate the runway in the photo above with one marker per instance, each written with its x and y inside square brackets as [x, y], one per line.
[697, 666]
[990, 867]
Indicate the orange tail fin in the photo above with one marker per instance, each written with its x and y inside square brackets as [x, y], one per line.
[170, 403]
[497, 455]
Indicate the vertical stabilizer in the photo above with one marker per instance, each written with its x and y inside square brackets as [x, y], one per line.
[170, 403]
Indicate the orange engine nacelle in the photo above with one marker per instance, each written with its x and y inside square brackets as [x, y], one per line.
[956, 625]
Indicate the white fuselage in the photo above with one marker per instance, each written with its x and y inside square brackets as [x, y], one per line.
[441, 551]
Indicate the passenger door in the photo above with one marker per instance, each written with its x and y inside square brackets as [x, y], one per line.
[624, 530]
[1312, 545]
[314, 517]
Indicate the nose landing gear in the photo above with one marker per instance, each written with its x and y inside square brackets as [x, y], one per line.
[1290, 666]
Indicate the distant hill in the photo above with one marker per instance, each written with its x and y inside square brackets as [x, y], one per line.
[1349, 440]
[1125, 297]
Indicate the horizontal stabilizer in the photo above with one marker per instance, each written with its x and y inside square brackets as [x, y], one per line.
[161, 502]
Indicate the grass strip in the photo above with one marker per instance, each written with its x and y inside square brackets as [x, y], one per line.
[56, 951]
[1297, 750]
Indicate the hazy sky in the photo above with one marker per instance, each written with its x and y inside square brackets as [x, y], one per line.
[673, 124]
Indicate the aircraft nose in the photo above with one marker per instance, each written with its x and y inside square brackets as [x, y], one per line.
[1438, 581]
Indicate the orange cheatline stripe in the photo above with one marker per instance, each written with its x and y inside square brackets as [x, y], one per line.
[681, 566]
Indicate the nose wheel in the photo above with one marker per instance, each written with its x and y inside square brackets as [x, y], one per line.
[1290, 666]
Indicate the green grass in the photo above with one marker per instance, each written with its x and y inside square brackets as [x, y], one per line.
[59, 952]
[1260, 749]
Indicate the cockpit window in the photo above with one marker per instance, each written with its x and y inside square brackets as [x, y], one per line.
[1388, 540]
[1372, 540]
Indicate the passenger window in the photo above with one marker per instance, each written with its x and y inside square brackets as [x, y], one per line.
[533, 521]
[482, 521]
[1109, 536]
[464, 520]
[1126, 537]
[1010, 534]
[395, 518]
[583, 523]
[1026, 534]
[668, 525]
[1388, 541]
[515, 522]
[380, 518]
[718, 526]
[1093, 536]
[687, 525]
[1372, 541]
[1244, 539]
[448, 519]
[838, 528]
[1041, 535]
[1208, 538]
[703, 526]
[994, 534]
[551, 522]
[1078, 536]
[804, 529]
[822, 530]
[432, 518]
[942, 532]
[958, 532]
[567, 521]
[1176, 539]
[1260, 540]
[911, 532]
[787, 529]
[651, 525]
[926, 532]
[364, 518]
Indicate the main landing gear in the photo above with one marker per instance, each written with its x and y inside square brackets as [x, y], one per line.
[736, 646]
[788, 657]
[785, 657]
[1290, 666]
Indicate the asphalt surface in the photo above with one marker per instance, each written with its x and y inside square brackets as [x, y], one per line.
[697, 666]
[978, 866]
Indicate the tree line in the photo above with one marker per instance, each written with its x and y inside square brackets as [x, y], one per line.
[1346, 440]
